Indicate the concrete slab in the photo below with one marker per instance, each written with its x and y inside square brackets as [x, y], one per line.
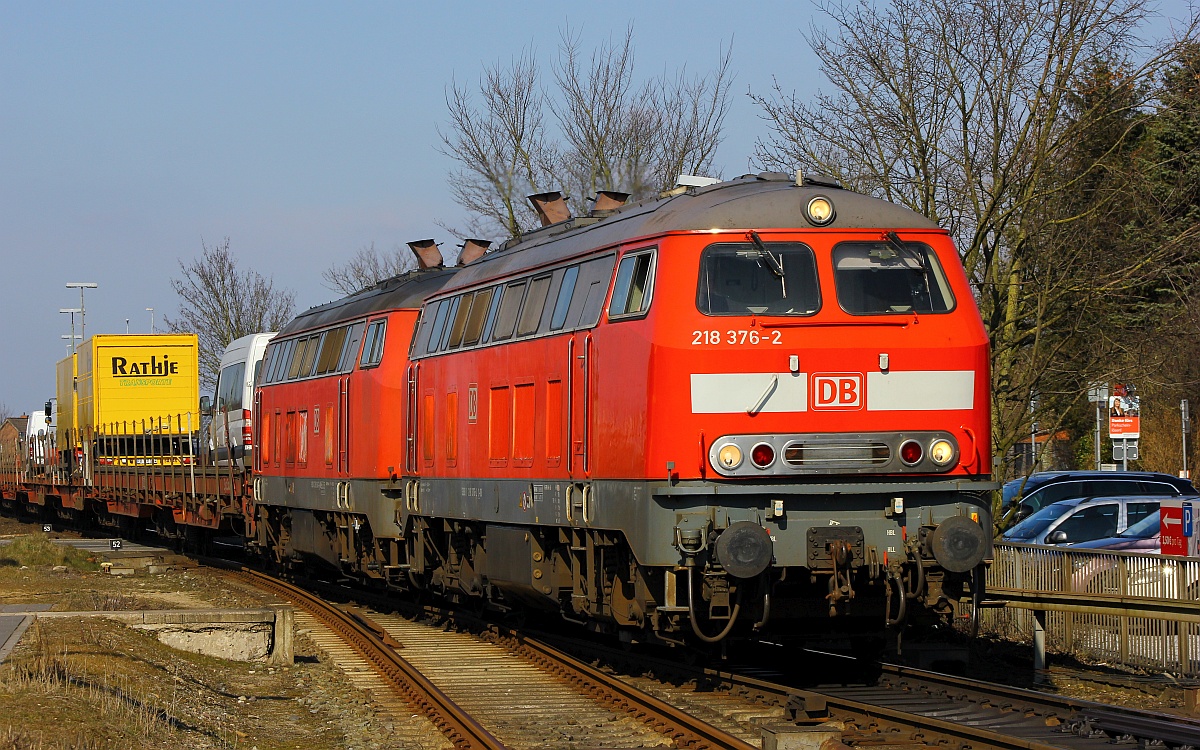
[15, 619]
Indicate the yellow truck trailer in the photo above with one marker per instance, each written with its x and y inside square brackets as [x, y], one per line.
[135, 398]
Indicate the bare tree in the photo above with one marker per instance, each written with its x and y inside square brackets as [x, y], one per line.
[219, 303]
[962, 112]
[597, 130]
[502, 149]
[5, 412]
[367, 268]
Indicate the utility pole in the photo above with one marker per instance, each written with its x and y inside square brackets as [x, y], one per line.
[151, 311]
[81, 285]
[71, 311]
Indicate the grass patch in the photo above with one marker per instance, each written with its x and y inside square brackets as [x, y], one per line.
[38, 551]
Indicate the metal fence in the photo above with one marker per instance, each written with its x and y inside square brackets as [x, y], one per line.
[1132, 609]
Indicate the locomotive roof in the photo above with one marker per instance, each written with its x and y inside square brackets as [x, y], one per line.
[405, 291]
[769, 200]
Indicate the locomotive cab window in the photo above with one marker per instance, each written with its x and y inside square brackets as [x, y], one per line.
[757, 278]
[634, 286]
[890, 278]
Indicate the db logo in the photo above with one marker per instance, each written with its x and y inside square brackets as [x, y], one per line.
[837, 390]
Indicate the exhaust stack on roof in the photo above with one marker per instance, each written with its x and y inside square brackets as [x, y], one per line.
[472, 249]
[551, 207]
[428, 255]
[608, 201]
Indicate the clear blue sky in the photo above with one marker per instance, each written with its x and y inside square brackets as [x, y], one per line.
[130, 131]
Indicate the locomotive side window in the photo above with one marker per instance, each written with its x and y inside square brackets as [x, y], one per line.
[493, 312]
[882, 278]
[460, 320]
[372, 353]
[272, 360]
[535, 302]
[590, 291]
[439, 323]
[634, 286]
[452, 306]
[298, 355]
[777, 278]
[563, 303]
[310, 355]
[506, 319]
[331, 350]
[350, 350]
[478, 315]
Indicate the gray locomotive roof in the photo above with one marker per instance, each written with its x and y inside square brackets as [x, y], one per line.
[766, 201]
[406, 291]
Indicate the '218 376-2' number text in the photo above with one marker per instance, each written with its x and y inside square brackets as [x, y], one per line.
[710, 338]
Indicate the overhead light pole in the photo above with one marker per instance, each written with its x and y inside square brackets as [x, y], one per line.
[70, 346]
[71, 311]
[81, 285]
[151, 311]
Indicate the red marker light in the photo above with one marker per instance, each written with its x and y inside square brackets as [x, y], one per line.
[910, 452]
[762, 455]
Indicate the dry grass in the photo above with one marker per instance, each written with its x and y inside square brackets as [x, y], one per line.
[37, 551]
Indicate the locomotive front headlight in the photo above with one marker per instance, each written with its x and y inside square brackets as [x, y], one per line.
[819, 211]
[941, 451]
[730, 456]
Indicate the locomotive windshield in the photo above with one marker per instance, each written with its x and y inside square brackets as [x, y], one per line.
[776, 278]
[885, 278]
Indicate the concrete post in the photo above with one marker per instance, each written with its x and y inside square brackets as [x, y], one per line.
[282, 637]
[826, 736]
[1039, 646]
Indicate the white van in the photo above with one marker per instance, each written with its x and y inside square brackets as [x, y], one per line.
[39, 435]
[230, 433]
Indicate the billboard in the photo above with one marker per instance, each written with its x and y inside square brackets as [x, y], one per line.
[1124, 413]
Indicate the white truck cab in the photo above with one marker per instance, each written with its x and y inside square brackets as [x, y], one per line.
[231, 431]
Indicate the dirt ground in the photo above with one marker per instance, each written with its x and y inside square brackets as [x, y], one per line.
[93, 683]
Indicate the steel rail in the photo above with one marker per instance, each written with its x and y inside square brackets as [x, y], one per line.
[372, 644]
[1114, 720]
[686, 730]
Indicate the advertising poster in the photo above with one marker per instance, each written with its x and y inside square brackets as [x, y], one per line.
[1124, 413]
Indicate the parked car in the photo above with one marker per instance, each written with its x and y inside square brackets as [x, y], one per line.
[1139, 537]
[1021, 498]
[1082, 519]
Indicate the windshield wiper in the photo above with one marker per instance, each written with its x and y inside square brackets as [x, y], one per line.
[893, 239]
[771, 261]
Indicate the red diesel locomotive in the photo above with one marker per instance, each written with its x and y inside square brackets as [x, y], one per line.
[759, 405]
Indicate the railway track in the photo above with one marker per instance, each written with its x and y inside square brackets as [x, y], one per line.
[908, 707]
[510, 692]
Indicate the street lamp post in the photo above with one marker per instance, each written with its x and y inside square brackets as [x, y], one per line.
[151, 311]
[81, 285]
[71, 311]
[70, 346]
